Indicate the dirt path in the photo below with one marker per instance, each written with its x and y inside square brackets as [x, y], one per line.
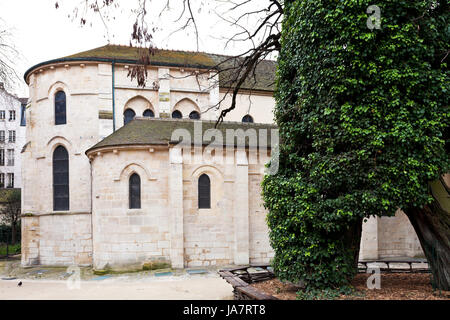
[175, 288]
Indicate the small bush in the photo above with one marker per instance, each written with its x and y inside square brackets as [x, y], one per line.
[12, 249]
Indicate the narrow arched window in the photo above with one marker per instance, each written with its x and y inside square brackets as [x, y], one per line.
[60, 179]
[60, 107]
[204, 192]
[148, 113]
[135, 191]
[194, 115]
[128, 115]
[247, 118]
[177, 114]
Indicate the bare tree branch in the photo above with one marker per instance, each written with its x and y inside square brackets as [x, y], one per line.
[263, 39]
[8, 58]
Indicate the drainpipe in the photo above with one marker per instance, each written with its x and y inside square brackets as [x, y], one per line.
[113, 97]
[92, 214]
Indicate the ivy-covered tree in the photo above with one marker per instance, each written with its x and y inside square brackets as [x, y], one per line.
[363, 115]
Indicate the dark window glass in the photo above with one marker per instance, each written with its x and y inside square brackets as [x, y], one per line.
[60, 107]
[148, 113]
[135, 191]
[204, 192]
[194, 115]
[22, 115]
[247, 118]
[177, 114]
[128, 115]
[60, 179]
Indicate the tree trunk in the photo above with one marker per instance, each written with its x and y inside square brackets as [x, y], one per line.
[13, 231]
[432, 225]
[352, 239]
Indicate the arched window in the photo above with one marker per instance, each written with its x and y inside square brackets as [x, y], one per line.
[247, 118]
[128, 115]
[194, 115]
[148, 113]
[177, 114]
[135, 191]
[60, 179]
[60, 107]
[204, 192]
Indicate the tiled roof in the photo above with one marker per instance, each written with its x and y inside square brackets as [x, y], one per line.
[264, 75]
[152, 131]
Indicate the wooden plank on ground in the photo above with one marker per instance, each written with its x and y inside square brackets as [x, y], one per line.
[254, 294]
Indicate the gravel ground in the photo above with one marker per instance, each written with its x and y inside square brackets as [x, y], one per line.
[58, 283]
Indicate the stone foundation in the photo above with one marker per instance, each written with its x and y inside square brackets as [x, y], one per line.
[57, 240]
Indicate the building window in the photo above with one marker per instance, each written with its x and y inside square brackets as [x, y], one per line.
[247, 118]
[2, 180]
[135, 191]
[204, 192]
[10, 180]
[12, 115]
[2, 157]
[148, 113]
[60, 108]
[128, 115]
[10, 157]
[2, 114]
[60, 179]
[2, 135]
[22, 115]
[194, 115]
[177, 115]
[11, 136]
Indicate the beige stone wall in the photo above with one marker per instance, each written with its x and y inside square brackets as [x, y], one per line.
[30, 241]
[259, 106]
[385, 237]
[260, 249]
[57, 240]
[369, 240]
[82, 85]
[208, 233]
[170, 226]
[123, 236]
[173, 89]
[396, 237]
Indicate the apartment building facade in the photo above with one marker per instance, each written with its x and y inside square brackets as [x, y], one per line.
[12, 138]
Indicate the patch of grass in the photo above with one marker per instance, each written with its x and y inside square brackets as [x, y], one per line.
[12, 249]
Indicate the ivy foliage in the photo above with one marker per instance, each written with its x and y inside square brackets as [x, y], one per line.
[363, 118]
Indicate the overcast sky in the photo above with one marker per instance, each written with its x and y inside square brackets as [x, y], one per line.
[41, 32]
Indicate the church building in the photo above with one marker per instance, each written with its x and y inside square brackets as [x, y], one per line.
[116, 175]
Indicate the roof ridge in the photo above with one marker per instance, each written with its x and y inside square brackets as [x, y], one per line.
[208, 121]
[173, 50]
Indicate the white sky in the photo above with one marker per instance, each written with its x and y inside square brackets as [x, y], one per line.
[41, 32]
